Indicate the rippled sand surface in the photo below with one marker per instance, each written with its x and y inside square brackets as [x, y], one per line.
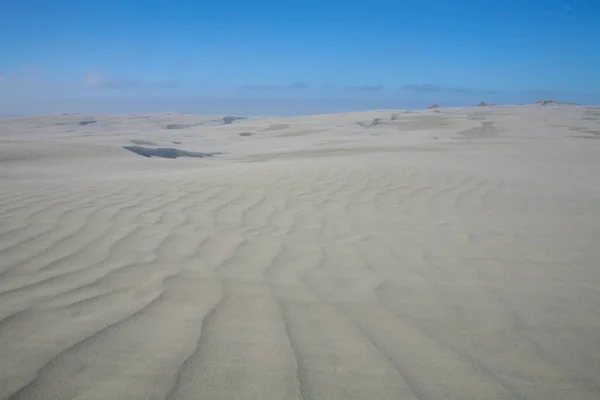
[377, 255]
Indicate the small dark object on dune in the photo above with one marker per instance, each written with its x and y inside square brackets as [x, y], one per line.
[433, 107]
[545, 102]
[245, 134]
[375, 122]
[87, 122]
[228, 120]
[176, 142]
[482, 104]
[166, 152]
[143, 142]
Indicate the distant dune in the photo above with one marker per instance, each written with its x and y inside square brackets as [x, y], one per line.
[446, 254]
[143, 142]
[546, 102]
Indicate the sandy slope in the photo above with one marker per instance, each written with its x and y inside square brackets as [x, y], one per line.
[380, 255]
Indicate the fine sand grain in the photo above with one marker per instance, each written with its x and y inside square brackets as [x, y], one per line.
[440, 254]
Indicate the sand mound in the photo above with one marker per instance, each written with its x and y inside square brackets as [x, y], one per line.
[227, 120]
[482, 104]
[433, 107]
[275, 127]
[143, 142]
[547, 102]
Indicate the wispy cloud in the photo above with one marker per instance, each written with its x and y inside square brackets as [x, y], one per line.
[296, 85]
[166, 85]
[94, 79]
[259, 87]
[573, 6]
[433, 88]
[365, 88]
[120, 84]
[353, 88]
[27, 78]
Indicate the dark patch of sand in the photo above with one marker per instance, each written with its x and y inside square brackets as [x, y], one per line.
[166, 152]
[87, 122]
[228, 120]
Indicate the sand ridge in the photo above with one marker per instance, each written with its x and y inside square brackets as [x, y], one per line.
[383, 255]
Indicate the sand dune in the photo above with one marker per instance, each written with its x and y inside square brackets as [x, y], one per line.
[375, 255]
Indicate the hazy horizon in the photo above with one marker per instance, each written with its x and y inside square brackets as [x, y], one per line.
[295, 57]
[208, 106]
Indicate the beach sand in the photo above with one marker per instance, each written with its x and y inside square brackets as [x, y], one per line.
[436, 254]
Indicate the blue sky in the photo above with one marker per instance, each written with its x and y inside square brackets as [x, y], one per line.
[294, 56]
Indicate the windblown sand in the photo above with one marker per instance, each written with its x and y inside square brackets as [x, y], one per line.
[440, 254]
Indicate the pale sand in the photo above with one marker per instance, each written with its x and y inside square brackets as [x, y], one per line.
[441, 254]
